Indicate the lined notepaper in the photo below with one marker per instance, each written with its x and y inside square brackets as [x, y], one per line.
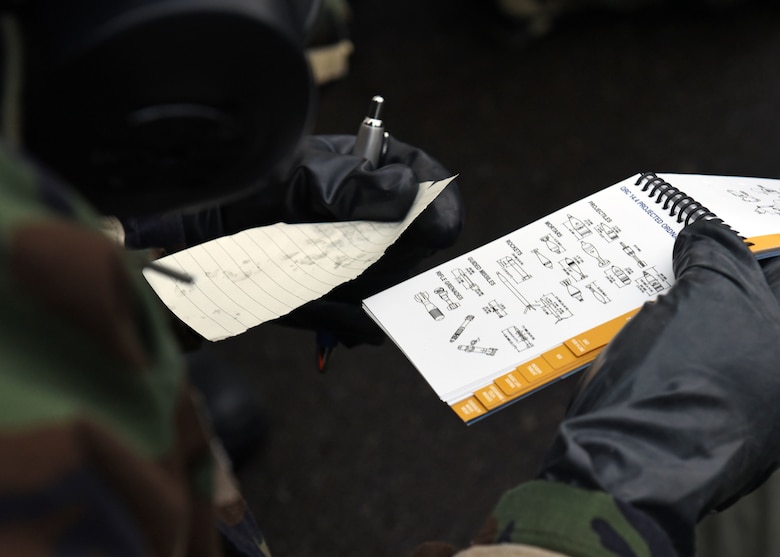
[260, 274]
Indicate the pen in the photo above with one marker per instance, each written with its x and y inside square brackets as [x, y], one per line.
[168, 272]
[141, 259]
[326, 342]
[371, 134]
[369, 144]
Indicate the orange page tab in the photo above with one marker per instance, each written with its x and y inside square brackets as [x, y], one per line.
[598, 337]
[469, 409]
[491, 396]
[535, 370]
[761, 244]
[559, 357]
[512, 383]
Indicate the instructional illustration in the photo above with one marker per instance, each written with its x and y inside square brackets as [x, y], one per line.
[465, 280]
[496, 308]
[461, 328]
[512, 267]
[528, 306]
[652, 282]
[577, 227]
[617, 276]
[744, 196]
[773, 209]
[607, 232]
[430, 307]
[631, 252]
[552, 244]
[765, 201]
[765, 190]
[445, 297]
[518, 337]
[598, 293]
[473, 348]
[543, 259]
[591, 250]
[553, 306]
[573, 291]
[571, 267]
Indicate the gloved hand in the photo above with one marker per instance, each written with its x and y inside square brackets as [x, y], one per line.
[322, 181]
[331, 184]
[679, 415]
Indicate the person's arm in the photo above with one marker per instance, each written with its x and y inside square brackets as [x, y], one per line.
[675, 419]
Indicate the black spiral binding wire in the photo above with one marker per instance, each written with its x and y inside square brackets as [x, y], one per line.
[679, 205]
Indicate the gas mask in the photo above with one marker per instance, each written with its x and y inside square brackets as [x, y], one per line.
[151, 105]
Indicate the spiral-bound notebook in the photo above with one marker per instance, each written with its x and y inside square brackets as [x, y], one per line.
[496, 324]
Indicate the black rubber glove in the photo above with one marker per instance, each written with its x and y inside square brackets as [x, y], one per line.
[327, 183]
[680, 415]
[322, 181]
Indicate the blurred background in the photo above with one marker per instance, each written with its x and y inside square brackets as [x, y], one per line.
[365, 459]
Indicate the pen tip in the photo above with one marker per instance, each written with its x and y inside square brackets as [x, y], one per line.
[375, 109]
[323, 355]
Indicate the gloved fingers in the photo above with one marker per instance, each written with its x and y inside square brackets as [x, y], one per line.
[384, 194]
[719, 300]
[328, 183]
[712, 245]
[330, 187]
[395, 152]
[425, 167]
[323, 181]
[708, 253]
[340, 144]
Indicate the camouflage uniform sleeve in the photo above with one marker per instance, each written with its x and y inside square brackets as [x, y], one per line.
[573, 521]
[103, 449]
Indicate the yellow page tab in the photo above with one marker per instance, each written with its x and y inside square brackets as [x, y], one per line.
[512, 383]
[535, 370]
[761, 244]
[469, 409]
[559, 357]
[598, 337]
[491, 396]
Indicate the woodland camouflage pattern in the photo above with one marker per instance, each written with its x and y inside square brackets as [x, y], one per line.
[102, 447]
[564, 520]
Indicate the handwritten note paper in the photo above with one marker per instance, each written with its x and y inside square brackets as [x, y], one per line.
[263, 273]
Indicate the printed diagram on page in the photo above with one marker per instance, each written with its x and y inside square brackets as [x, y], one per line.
[492, 325]
[763, 199]
[503, 299]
